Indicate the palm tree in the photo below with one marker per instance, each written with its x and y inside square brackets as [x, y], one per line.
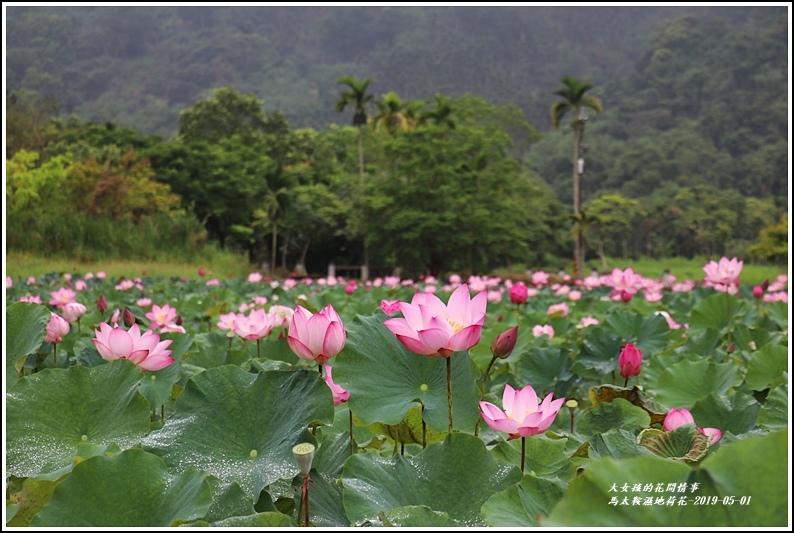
[358, 98]
[575, 99]
[396, 114]
[441, 114]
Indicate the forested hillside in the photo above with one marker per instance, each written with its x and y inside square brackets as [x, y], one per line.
[688, 156]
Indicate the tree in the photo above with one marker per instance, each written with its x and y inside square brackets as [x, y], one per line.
[396, 114]
[357, 98]
[575, 100]
[224, 114]
[441, 113]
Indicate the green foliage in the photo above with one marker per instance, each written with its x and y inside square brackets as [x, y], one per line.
[773, 245]
[132, 489]
[257, 451]
[54, 412]
[455, 477]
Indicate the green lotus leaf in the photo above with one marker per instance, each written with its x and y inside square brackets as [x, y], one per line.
[650, 334]
[751, 338]
[523, 504]
[617, 414]
[132, 489]
[778, 311]
[686, 382]
[543, 368]
[25, 328]
[50, 413]
[736, 412]
[713, 312]
[600, 351]
[766, 365]
[615, 443]
[685, 443]
[409, 430]
[586, 502]
[267, 519]
[774, 412]
[420, 516]
[156, 385]
[544, 457]
[607, 393]
[35, 494]
[749, 468]
[228, 500]
[384, 379]
[455, 476]
[240, 426]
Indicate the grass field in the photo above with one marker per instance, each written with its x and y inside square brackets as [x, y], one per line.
[222, 266]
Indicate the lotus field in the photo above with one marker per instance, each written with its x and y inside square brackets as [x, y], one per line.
[611, 401]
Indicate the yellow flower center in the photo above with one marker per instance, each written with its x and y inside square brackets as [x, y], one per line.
[456, 326]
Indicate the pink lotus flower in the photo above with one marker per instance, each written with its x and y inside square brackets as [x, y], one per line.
[630, 361]
[145, 350]
[282, 315]
[434, 329]
[316, 337]
[62, 297]
[125, 285]
[545, 329]
[540, 278]
[781, 296]
[518, 293]
[161, 316]
[390, 306]
[624, 282]
[9, 282]
[560, 309]
[588, 321]
[212, 283]
[724, 273]
[30, 299]
[522, 415]
[340, 394]
[254, 277]
[575, 295]
[56, 329]
[73, 311]
[257, 325]
[226, 321]
[680, 417]
[144, 302]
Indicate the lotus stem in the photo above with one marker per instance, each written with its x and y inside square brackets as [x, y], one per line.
[482, 396]
[352, 443]
[258, 353]
[424, 428]
[523, 452]
[449, 391]
[625, 383]
[55, 355]
[728, 302]
[304, 503]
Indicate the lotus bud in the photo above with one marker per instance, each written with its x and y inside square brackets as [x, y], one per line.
[128, 317]
[504, 344]
[101, 304]
[630, 361]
